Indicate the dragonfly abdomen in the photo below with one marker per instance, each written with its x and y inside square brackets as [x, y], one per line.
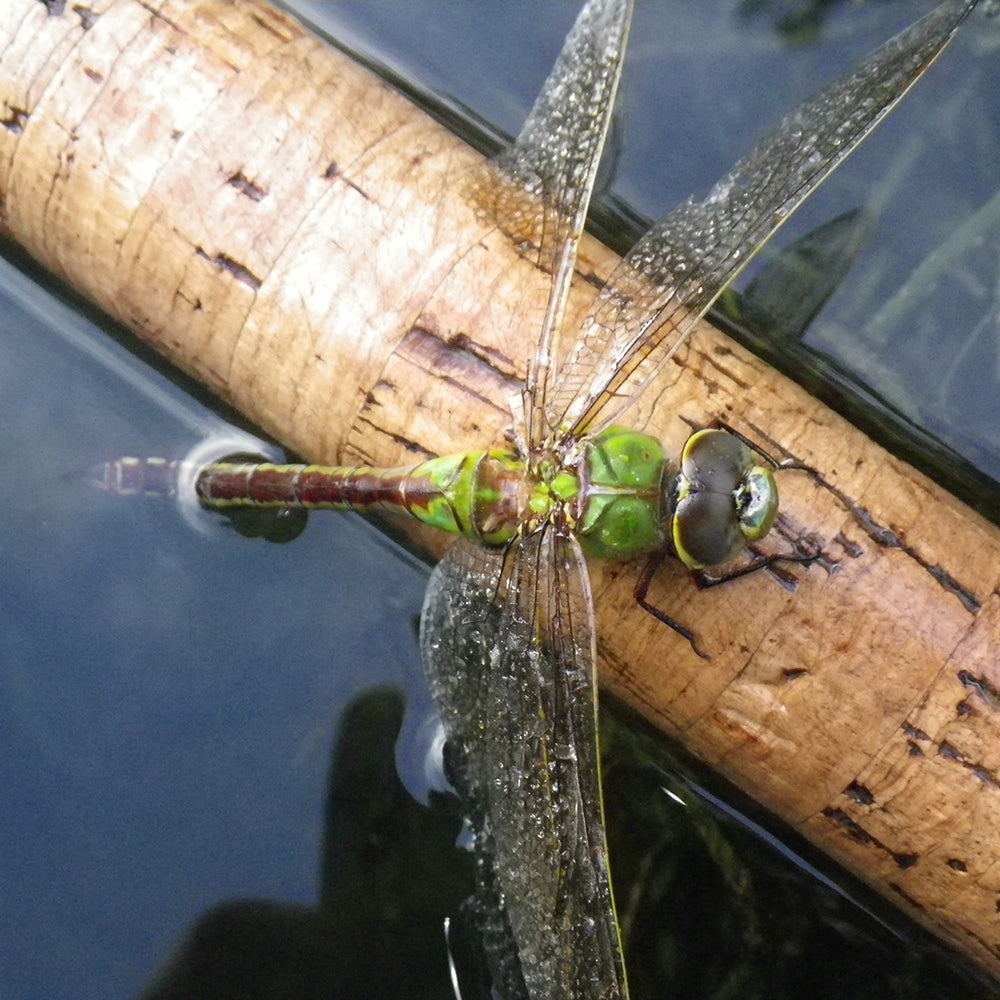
[475, 494]
[318, 487]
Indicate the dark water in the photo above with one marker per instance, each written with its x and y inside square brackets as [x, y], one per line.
[170, 698]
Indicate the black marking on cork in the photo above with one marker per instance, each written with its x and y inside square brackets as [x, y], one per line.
[15, 120]
[239, 271]
[245, 186]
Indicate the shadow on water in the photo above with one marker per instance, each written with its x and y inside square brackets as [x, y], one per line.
[713, 903]
[389, 874]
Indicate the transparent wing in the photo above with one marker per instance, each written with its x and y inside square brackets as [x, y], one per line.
[538, 190]
[508, 647]
[674, 273]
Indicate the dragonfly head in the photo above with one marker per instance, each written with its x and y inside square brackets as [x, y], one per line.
[723, 500]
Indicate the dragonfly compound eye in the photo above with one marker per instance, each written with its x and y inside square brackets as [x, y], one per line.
[757, 503]
[724, 501]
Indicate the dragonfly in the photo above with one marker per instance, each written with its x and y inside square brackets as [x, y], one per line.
[507, 631]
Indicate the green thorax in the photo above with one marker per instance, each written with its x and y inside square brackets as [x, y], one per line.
[622, 509]
[612, 499]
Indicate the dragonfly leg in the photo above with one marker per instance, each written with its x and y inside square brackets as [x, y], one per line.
[783, 465]
[704, 581]
[641, 591]
[719, 424]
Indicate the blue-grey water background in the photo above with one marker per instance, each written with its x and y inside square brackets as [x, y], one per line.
[169, 697]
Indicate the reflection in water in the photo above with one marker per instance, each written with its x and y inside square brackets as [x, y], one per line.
[711, 903]
[390, 874]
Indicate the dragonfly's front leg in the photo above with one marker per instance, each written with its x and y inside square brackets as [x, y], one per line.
[641, 590]
[703, 581]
